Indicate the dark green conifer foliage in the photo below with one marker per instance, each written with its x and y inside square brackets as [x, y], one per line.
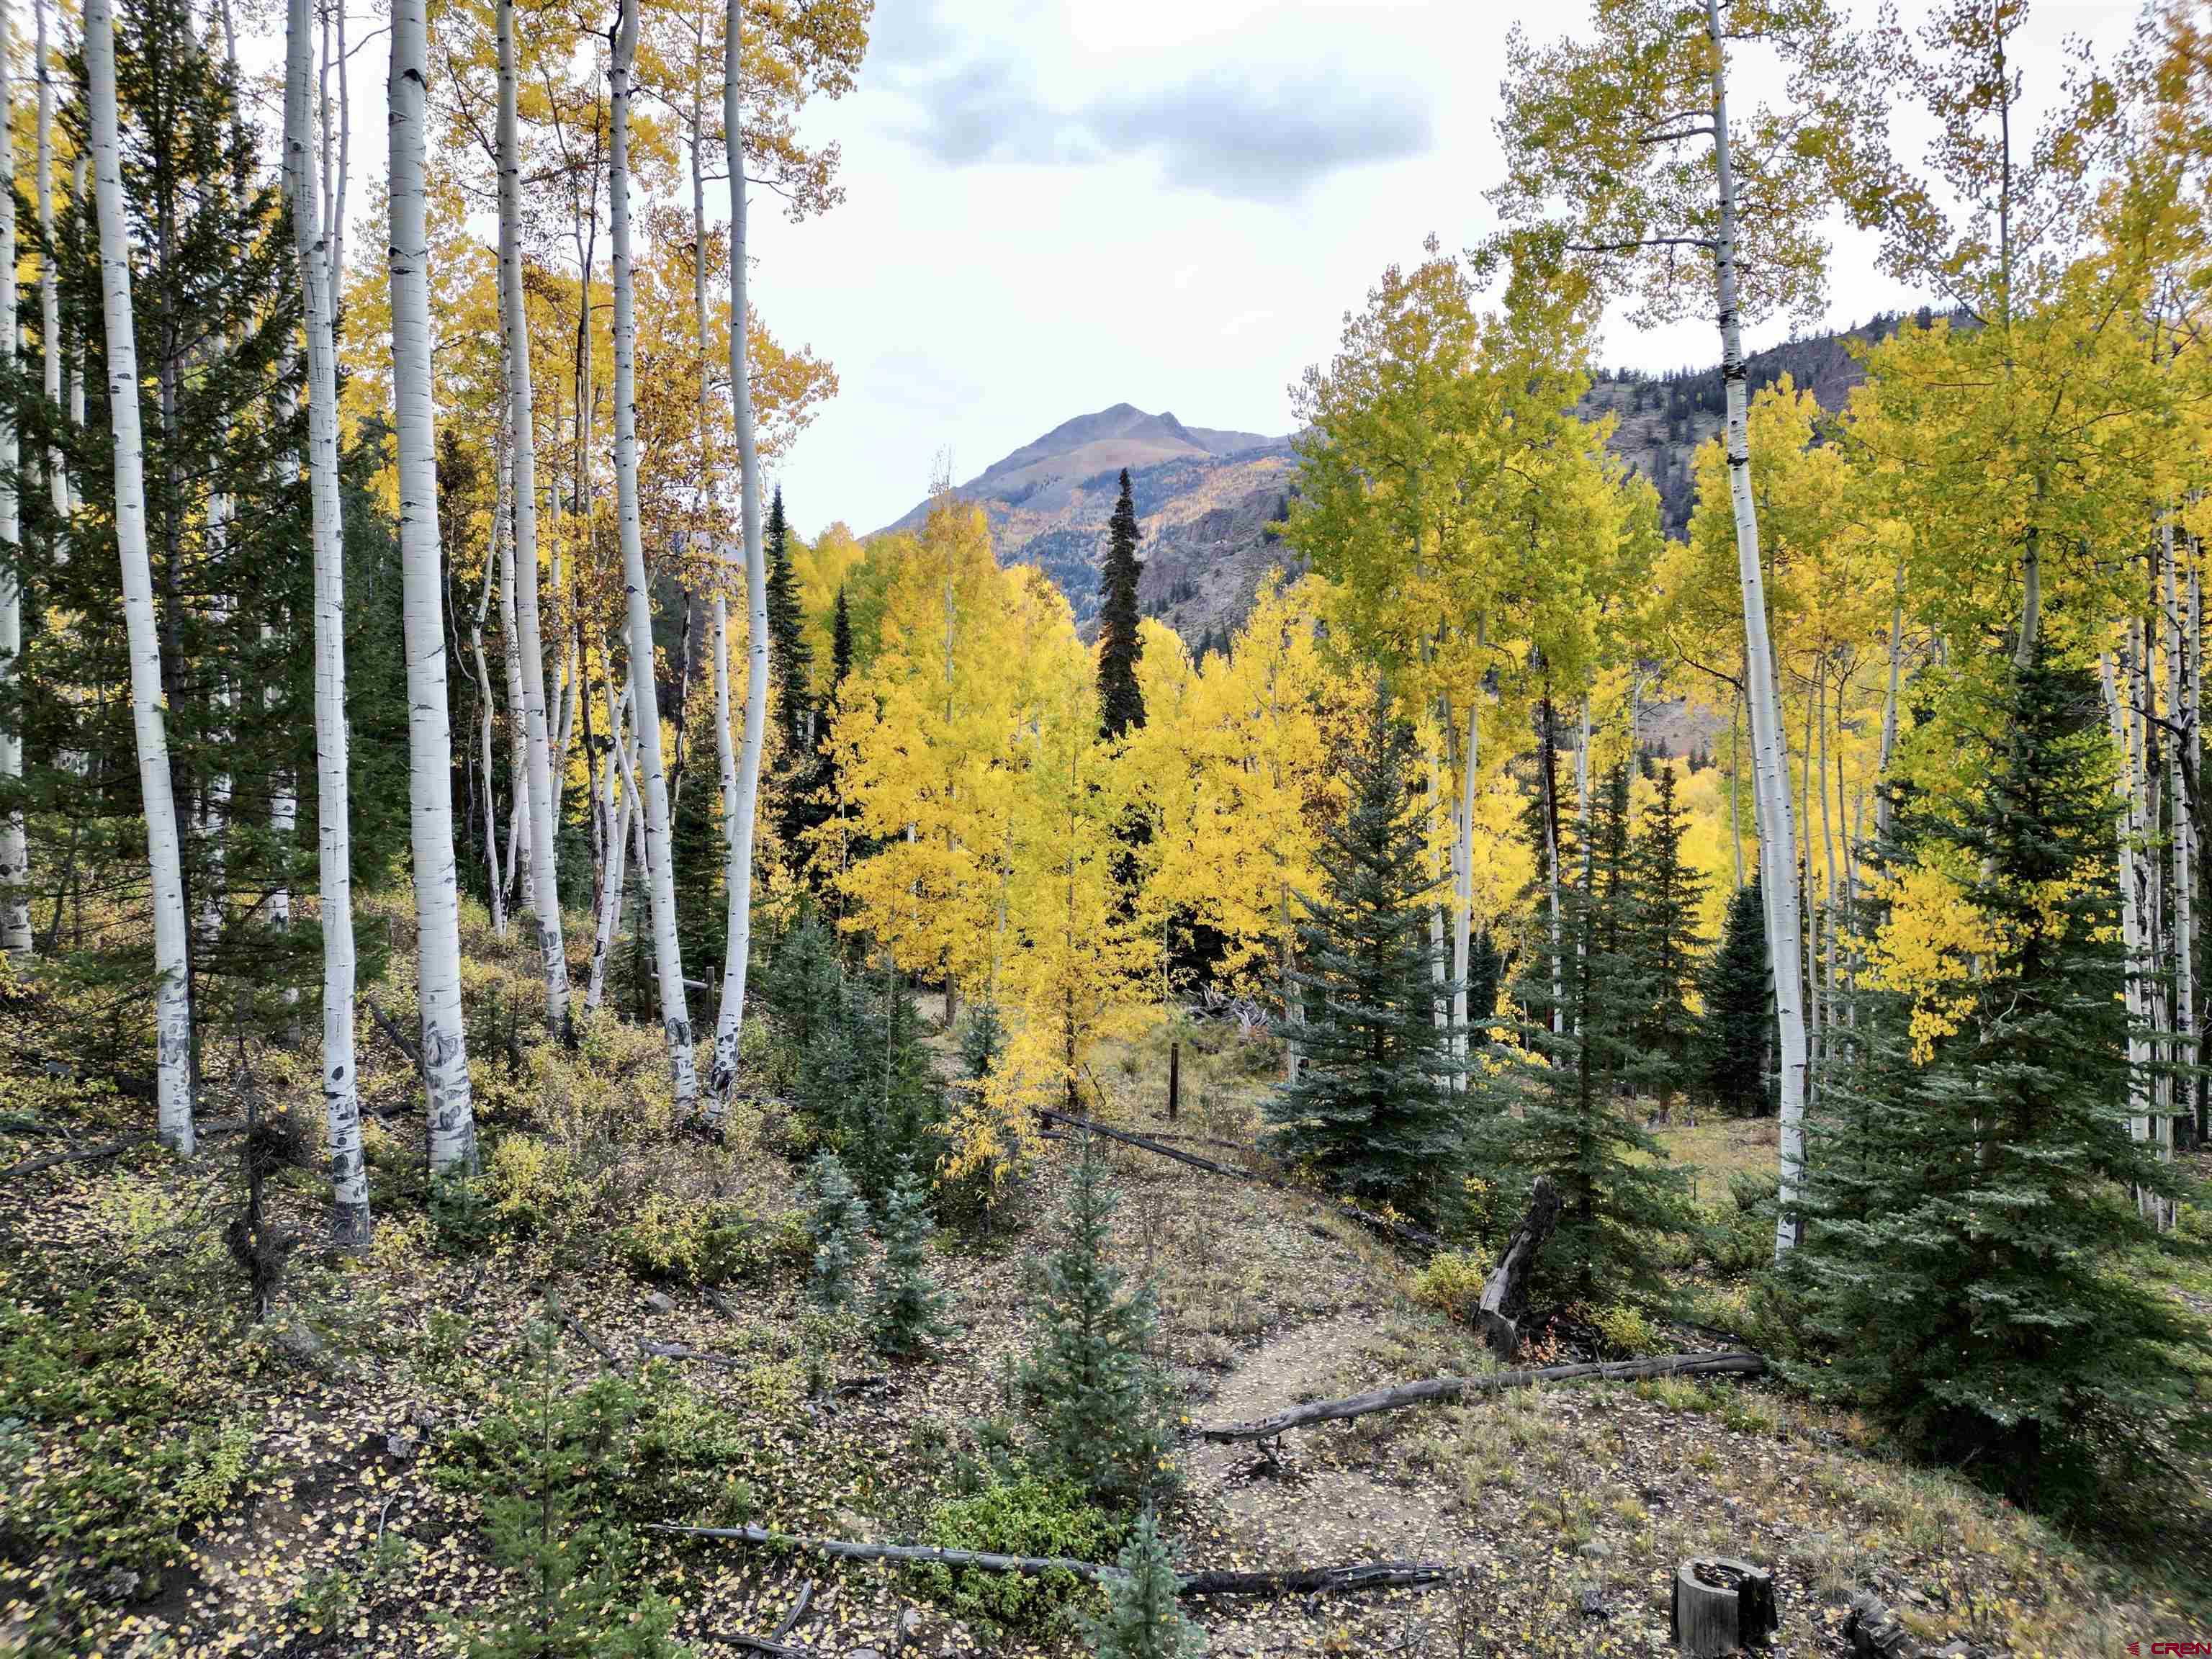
[1664, 948]
[568, 1557]
[906, 1309]
[1371, 1111]
[1095, 1397]
[1736, 1030]
[1142, 1619]
[217, 296]
[1120, 700]
[837, 1226]
[1577, 1121]
[1970, 1203]
[699, 854]
[791, 659]
[983, 1040]
[1484, 965]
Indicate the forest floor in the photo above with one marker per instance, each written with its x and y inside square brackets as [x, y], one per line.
[177, 1478]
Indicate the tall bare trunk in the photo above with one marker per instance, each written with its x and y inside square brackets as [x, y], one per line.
[730, 1019]
[430, 723]
[659, 875]
[172, 969]
[1777, 837]
[14, 845]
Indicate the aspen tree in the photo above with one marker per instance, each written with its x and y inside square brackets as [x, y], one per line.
[545, 876]
[173, 991]
[429, 725]
[675, 1021]
[14, 855]
[745, 803]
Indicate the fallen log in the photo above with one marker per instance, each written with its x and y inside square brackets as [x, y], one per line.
[1430, 1389]
[1400, 1229]
[1505, 1296]
[1292, 1581]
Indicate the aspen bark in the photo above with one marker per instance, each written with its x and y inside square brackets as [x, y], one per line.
[429, 725]
[2113, 680]
[645, 696]
[491, 580]
[545, 876]
[173, 991]
[2181, 705]
[730, 1019]
[50, 300]
[1770, 747]
[15, 844]
[349, 1213]
[616, 818]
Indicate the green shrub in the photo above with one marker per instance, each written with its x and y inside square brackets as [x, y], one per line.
[1452, 1282]
[1628, 1331]
[1023, 1515]
[688, 1243]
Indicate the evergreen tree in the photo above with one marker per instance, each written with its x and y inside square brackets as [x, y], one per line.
[1142, 1619]
[1094, 1396]
[217, 298]
[1485, 967]
[1575, 1122]
[1120, 700]
[1735, 1030]
[1370, 1111]
[1665, 894]
[841, 644]
[791, 658]
[837, 1226]
[1971, 1197]
[906, 1307]
[983, 1041]
[699, 854]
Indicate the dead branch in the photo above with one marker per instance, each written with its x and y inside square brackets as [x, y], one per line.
[1435, 1388]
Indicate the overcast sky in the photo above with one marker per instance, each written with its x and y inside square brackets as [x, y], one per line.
[1055, 207]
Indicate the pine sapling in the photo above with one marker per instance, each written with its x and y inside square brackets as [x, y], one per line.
[1143, 1621]
[837, 1224]
[907, 1306]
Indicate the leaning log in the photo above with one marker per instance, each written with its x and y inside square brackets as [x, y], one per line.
[1292, 1581]
[1431, 1390]
[1403, 1231]
[1505, 1296]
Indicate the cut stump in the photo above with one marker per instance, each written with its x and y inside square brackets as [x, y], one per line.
[1722, 1606]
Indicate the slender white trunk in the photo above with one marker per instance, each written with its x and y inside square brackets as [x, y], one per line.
[1889, 701]
[429, 728]
[2114, 682]
[517, 756]
[350, 1217]
[1463, 887]
[173, 995]
[1777, 837]
[731, 1017]
[544, 884]
[1439, 956]
[50, 298]
[617, 819]
[15, 844]
[661, 876]
[494, 558]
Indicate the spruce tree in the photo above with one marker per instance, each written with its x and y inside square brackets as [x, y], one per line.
[837, 1226]
[1370, 1111]
[1120, 700]
[906, 1309]
[1142, 1619]
[1094, 1397]
[1735, 1028]
[791, 659]
[700, 857]
[1666, 893]
[1576, 1124]
[1970, 1199]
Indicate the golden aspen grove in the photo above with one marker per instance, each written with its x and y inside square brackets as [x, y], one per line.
[1563, 1009]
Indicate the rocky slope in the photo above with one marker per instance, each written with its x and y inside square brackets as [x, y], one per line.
[1211, 503]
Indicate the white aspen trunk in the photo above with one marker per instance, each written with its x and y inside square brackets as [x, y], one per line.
[660, 878]
[1463, 889]
[2180, 708]
[15, 844]
[1814, 1033]
[1439, 973]
[1889, 701]
[429, 729]
[1770, 747]
[616, 821]
[349, 1214]
[172, 970]
[2113, 682]
[545, 884]
[337, 222]
[493, 559]
[730, 1019]
[1735, 768]
[49, 299]
[517, 746]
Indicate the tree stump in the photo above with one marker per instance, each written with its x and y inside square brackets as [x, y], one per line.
[1722, 1606]
[1505, 1296]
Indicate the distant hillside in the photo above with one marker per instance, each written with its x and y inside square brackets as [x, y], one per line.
[1210, 503]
